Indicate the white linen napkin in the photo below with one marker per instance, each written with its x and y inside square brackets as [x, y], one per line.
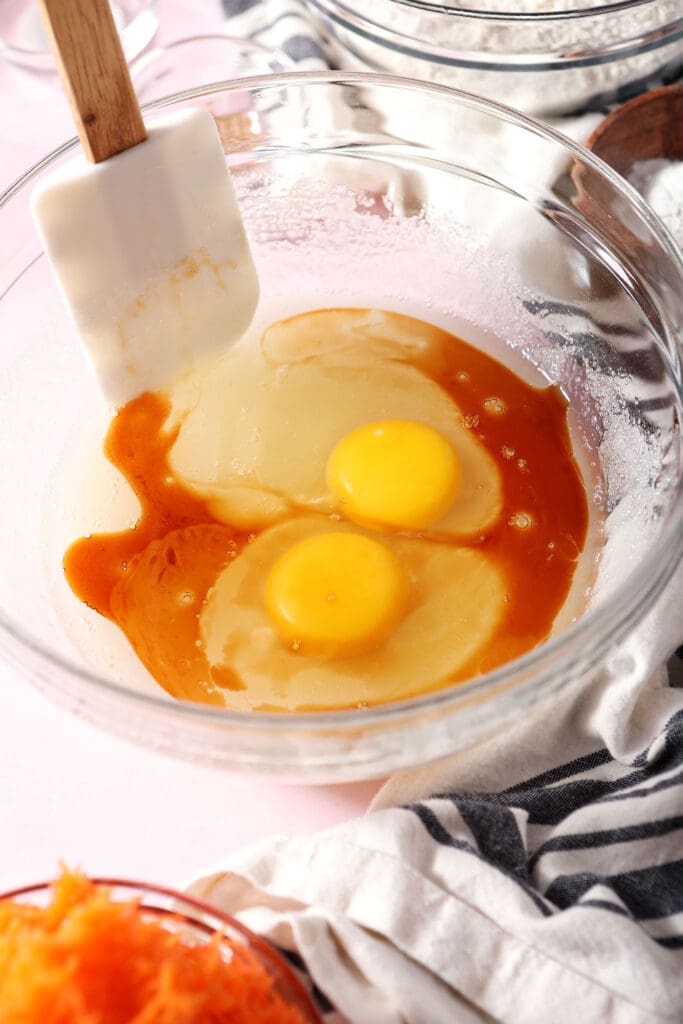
[534, 878]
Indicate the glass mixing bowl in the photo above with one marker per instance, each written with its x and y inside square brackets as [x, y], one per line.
[196, 922]
[23, 40]
[563, 58]
[362, 190]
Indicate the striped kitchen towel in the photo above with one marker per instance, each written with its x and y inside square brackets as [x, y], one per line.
[535, 878]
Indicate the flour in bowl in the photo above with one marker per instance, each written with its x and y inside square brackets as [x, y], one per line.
[550, 62]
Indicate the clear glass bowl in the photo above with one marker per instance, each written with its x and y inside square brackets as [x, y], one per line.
[555, 61]
[23, 40]
[202, 60]
[196, 922]
[362, 190]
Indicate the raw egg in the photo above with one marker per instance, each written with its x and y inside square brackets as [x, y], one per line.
[336, 594]
[394, 473]
[356, 508]
[428, 610]
[256, 430]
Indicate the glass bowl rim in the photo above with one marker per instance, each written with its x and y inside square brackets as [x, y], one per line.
[511, 58]
[568, 13]
[196, 907]
[152, 53]
[135, 885]
[603, 625]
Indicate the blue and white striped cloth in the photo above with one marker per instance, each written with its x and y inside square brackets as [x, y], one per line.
[475, 892]
[536, 878]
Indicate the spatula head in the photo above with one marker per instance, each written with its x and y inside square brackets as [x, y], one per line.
[151, 255]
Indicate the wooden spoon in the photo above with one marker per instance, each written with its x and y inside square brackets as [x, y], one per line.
[649, 127]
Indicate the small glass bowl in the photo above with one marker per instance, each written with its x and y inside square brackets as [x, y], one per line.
[23, 40]
[362, 190]
[565, 61]
[196, 922]
[201, 60]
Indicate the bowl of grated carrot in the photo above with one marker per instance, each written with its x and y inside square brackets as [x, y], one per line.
[114, 952]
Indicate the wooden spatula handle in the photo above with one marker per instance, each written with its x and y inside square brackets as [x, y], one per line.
[94, 75]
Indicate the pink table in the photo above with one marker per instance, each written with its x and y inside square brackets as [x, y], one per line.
[68, 792]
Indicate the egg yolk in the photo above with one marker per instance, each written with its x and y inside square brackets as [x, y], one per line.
[336, 594]
[396, 473]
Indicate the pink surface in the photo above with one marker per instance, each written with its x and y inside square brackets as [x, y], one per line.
[34, 115]
[68, 792]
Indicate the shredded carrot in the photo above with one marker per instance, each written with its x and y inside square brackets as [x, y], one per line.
[88, 959]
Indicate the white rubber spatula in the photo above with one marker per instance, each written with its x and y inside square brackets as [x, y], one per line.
[145, 236]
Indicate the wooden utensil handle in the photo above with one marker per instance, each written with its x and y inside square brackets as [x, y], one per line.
[94, 75]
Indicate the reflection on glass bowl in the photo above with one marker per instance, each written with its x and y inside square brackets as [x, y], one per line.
[23, 40]
[199, 61]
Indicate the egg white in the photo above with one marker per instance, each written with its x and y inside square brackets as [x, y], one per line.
[258, 425]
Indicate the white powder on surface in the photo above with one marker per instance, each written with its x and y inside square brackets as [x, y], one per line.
[459, 38]
[660, 182]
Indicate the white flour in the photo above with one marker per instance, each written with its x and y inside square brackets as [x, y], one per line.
[660, 182]
[544, 92]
